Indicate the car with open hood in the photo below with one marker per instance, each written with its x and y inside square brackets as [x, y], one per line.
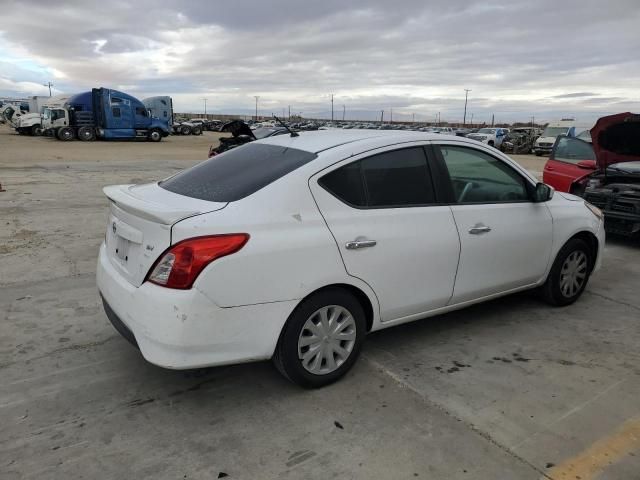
[606, 172]
[241, 133]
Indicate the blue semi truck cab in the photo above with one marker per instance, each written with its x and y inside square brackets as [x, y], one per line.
[104, 113]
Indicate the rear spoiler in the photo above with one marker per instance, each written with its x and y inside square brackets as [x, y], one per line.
[122, 196]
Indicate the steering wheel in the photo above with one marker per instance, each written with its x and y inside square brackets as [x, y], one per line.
[467, 188]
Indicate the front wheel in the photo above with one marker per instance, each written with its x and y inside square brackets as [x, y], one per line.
[197, 131]
[569, 274]
[66, 133]
[321, 339]
[155, 135]
[86, 134]
[36, 130]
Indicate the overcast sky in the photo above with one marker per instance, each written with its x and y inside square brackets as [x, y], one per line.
[520, 58]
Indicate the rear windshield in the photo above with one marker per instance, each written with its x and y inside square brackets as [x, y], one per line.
[237, 173]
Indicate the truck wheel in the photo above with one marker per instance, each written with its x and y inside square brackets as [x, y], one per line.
[36, 130]
[86, 134]
[155, 135]
[185, 130]
[65, 134]
[197, 131]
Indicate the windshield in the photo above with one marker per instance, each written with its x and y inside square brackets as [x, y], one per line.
[487, 130]
[555, 131]
[46, 114]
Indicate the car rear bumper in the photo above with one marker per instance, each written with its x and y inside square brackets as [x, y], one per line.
[183, 329]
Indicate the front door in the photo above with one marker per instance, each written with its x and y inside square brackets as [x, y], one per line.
[389, 229]
[505, 237]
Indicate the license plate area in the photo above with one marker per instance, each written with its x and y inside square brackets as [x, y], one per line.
[122, 248]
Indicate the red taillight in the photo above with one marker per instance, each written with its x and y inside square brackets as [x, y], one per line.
[181, 264]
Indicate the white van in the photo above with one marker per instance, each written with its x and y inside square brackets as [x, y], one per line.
[566, 126]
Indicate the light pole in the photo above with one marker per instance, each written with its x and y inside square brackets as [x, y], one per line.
[466, 95]
[331, 106]
[257, 97]
[289, 112]
[205, 107]
[413, 115]
[391, 115]
[48, 84]
[472, 120]
[381, 117]
[344, 109]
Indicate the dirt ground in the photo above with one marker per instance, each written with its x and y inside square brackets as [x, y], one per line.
[510, 389]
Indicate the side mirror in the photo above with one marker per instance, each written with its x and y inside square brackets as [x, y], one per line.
[587, 164]
[542, 193]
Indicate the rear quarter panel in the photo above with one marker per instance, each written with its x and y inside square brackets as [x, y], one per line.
[290, 253]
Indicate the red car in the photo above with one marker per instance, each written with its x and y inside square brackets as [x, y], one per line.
[605, 172]
[574, 159]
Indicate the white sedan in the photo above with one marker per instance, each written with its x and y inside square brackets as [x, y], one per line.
[292, 248]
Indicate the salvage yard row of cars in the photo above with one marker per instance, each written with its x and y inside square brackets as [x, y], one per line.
[294, 246]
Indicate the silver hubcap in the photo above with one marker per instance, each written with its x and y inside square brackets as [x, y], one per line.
[327, 339]
[573, 273]
[155, 135]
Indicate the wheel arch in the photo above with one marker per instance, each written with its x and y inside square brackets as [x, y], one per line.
[592, 241]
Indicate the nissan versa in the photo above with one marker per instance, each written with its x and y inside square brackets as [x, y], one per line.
[292, 248]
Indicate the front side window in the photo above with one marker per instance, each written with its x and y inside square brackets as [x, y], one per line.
[398, 178]
[573, 150]
[477, 177]
[141, 111]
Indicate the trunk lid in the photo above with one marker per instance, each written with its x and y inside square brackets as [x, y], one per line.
[140, 221]
[616, 139]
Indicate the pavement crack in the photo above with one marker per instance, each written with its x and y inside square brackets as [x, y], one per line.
[79, 346]
[619, 302]
[486, 436]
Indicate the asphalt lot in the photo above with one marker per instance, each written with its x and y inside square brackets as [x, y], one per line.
[511, 389]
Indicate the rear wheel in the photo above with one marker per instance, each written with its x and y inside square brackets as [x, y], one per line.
[36, 130]
[197, 131]
[569, 274]
[321, 339]
[185, 130]
[86, 134]
[155, 135]
[65, 134]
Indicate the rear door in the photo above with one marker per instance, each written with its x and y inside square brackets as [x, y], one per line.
[505, 237]
[389, 228]
[563, 167]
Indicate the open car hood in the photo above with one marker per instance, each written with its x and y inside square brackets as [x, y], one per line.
[237, 128]
[616, 139]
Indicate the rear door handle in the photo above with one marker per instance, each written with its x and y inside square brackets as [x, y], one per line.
[479, 230]
[357, 244]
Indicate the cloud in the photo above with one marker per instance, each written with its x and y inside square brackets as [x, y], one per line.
[520, 58]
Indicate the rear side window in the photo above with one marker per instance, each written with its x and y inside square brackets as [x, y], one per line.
[398, 178]
[573, 150]
[237, 173]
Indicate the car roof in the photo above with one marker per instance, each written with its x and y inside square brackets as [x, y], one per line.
[321, 140]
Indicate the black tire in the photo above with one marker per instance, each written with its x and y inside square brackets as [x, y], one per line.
[36, 130]
[197, 131]
[155, 135]
[66, 134]
[86, 134]
[552, 290]
[185, 130]
[491, 144]
[286, 358]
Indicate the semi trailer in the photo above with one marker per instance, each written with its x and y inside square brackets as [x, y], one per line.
[106, 114]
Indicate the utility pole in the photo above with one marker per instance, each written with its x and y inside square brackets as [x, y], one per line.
[438, 118]
[466, 95]
[48, 84]
[344, 109]
[331, 106]
[472, 120]
[381, 117]
[493, 117]
[414, 118]
[257, 97]
[391, 116]
[289, 112]
[205, 107]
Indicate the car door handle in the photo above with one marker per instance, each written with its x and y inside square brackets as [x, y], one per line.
[357, 244]
[479, 229]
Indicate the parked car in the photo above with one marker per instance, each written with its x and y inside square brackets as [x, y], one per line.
[612, 181]
[294, 248]
[566, 126]
[491, 136]
[241, 134]
[571, 158]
